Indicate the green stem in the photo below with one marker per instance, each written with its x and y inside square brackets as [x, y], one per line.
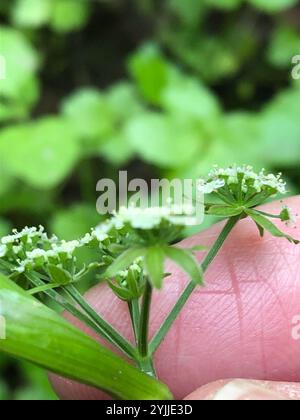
[147, 366]
[164, 329]
[93, 320]
[263, 213]
[145, 361]
[144, 321]
[60, 301]
[42, 288]
[118, 340]
[134, 310]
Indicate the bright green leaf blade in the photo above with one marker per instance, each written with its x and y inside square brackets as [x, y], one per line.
[89, 112]
[123, 294]
[69, 15]
[269, 226]
[163, 140]
[261, 230]
[281, 116]
[198, 248]
[58, 275]
[187, 97]
[154, 264]
[150, 71]
[31, 13]
[20, 86]
[224, 211]
[37, 334]
[273, 6]
[35, 152]
[187, 262]
[123, 261]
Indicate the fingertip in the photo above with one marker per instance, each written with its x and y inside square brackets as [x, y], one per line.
[247, 304]
[246, 390]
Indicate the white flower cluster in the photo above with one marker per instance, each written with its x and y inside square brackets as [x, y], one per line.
[152, 217]
[244, 176]
[27, 234]
[32, 248]
[105, 230]
[136, 268]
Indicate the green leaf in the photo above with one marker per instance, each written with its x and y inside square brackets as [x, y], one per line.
[42, 153]
[285, 44]
[266, 224]
[224, 211]
[90, 114]
[39, 335]
[187, 262]
[5, 227]
[7, 180]
[124, 261]
[59, 276]
[73, 222]
[150, 71]
[124, 101]
[117, 149]
[280, 120]
[187, 97]
[122, 294]
[31, 13]
[20, 86]
[163, 140]
[154, 264]
[190, 11]
[261, 230]
[69, 15]
[198, 248]
[273, 6]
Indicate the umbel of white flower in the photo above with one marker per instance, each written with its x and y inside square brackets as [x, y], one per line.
[32, 248]
[238, 190]
[152, 217]
[240, 182]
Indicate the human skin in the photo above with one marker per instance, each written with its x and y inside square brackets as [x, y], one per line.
[238, 326]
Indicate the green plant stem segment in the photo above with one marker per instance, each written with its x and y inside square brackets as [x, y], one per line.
[39, 335]
[89, 317]
[118, 340]
[145, 362]
[134, 310]
[164, 329]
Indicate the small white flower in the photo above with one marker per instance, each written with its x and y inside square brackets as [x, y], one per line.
[86, 240]
[273, 181]
[10, 239]
[123, 274]
[23, 265]
[244, 176]
[151, 217]
[99, 234]
[17, 248]
[66, 247]
[209, 187]
[30, 233]
[3, 251]
[136, 267]
[36, 253]
[21, 269]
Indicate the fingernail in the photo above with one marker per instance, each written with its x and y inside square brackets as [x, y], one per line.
[243, 390]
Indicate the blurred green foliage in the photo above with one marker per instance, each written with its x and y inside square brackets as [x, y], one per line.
[161, 88]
